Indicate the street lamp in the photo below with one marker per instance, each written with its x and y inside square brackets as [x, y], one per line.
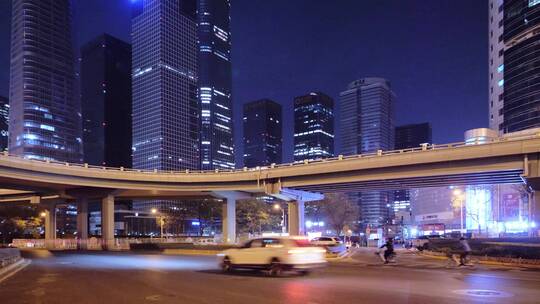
[154, 211]
[458, 195]
[278, 207]
[43, 214]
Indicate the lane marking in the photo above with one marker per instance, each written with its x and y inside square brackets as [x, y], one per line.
[14, 269]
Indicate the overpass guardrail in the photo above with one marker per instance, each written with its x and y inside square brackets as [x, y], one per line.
[379, 153]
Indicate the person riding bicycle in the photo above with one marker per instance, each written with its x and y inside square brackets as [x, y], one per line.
[389, 249]
[466, 251]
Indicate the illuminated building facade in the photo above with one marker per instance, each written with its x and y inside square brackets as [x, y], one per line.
[164, 82]
[367, 125]
[262, 133]
[514, 58]
[44, 112]
[215, 85]
[4, 122]
[313, 126]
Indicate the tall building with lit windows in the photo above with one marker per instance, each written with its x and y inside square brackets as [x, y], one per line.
[262, 133]
[313, 126]
[44, 117]
[214, 54]
[367, 125]
[164, 83]
[514, 73]
[407, 137]
[4, 123]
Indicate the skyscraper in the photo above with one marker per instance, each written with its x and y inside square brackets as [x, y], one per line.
[262, 133]
[164, 62]
[4, 123]
[412, 135]
[214, 42]
[313, 126]
[45, 118]
[106, 101]
[514, 60]
[521, 36]
[367, 125]
[496, 64]
[409, 136]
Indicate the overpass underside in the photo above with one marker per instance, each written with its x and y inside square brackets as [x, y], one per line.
[483, 178]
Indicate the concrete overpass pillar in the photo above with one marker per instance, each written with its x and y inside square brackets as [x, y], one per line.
[535, 212]
[50, 225]
[296, 218]
[82, 223]
[107, 222]
[229, 220]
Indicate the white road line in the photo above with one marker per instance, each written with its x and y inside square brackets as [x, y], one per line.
[14, 269]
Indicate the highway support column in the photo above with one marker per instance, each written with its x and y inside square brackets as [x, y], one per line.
[229, 220]
[107, 222]
[50, 225]
[82, 223]
[296, 217]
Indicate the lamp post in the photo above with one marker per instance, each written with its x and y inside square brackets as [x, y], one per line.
[278, 207]
[458, 195]
[154, 211]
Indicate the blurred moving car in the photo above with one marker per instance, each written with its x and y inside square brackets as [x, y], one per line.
[275, 254]
[333, 245]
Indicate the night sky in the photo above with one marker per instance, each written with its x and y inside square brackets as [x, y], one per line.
[433, 52]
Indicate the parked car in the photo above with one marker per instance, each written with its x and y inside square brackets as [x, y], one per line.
[333, 245]
[326, 241]
[275, 254]
[422, 242]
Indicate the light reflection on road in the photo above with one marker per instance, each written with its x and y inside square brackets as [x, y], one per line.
[130, 262]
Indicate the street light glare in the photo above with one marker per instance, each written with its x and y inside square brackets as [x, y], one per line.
[154, 210]
[457, 192]
[277, 206]
[42, 214]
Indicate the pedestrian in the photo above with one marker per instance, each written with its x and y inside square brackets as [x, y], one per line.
[466, 251]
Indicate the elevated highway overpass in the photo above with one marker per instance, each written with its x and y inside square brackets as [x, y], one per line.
[505, 160]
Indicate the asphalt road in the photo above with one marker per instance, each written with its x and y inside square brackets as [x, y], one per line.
[145, 278]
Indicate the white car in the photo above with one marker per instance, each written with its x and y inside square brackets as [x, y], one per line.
[275, 254]
[326, 241]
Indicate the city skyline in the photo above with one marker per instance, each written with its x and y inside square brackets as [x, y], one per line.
[449, 94]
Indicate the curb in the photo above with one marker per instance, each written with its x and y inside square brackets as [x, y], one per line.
[189, 252]
[484, 262]
[12, 269]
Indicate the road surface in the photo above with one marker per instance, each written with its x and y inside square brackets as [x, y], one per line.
[103, 277]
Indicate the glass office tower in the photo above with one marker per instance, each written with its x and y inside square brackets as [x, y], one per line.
[215, 83]
[313, 126]
[407, 137]
[521, 81]
[367, 125]
[4, 122]
[106, 101]
[45, 118]
[514, 57]
[262, 133]
[164, 82]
